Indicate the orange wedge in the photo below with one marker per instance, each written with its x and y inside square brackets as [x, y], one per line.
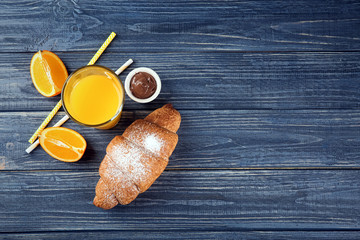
[48, 73]
[63, 144]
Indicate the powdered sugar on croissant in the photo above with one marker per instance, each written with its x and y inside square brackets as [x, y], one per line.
[136, 159]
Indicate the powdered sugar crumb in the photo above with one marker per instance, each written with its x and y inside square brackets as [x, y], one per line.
[144, 137]
[114, 175]
[152, 143]
[129, 159]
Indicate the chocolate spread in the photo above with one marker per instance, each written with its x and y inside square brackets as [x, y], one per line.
[143, 85]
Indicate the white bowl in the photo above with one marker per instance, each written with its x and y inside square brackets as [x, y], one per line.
[149, 71]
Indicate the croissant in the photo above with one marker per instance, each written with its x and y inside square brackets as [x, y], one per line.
[136, 159]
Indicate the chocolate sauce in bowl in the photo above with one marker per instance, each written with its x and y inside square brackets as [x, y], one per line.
[143, 85]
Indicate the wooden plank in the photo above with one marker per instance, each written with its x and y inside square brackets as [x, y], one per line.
[211, 80]
[89, 235]
[148, 26]
[185, 200]
[210, 139]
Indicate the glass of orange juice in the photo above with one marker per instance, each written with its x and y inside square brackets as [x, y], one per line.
[93, 96]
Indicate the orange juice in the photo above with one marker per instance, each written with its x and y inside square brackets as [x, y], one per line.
[93, 96]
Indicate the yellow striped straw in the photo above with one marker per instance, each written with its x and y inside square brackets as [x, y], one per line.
[102, 48]
[45, 122]
[58, 105]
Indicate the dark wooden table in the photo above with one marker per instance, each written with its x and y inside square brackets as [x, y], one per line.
[269, 93]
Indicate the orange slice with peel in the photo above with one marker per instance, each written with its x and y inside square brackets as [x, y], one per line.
[48, 73]
[63, 144]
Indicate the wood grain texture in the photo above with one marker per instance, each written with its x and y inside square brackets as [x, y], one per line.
[95, 235]
[211, 80]
[241, 73]
[210, 139]
[185, 200]
[148, 26]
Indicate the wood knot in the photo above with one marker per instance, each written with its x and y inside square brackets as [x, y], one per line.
[10, 146]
